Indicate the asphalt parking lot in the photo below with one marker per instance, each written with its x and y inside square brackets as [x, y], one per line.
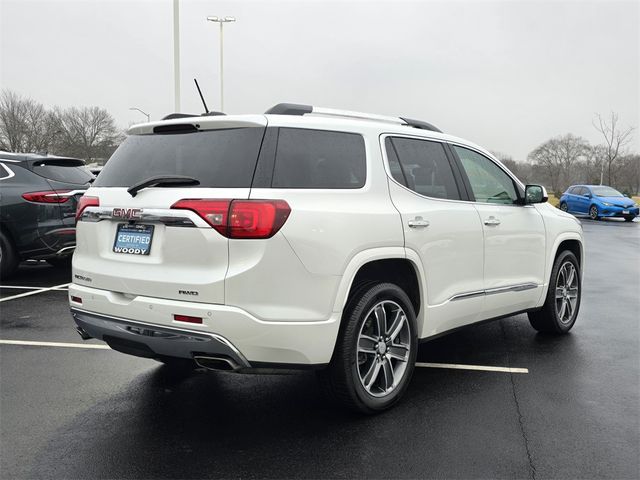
[69, 412]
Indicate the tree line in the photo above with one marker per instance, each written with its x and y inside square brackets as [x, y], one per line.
[569, 159]
[89, 133]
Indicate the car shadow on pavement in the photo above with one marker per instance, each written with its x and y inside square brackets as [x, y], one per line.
[222, 425]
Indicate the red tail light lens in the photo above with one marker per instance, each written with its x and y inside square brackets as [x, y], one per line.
[49, 196]
[85, 202]
[240, 218]
[257, 218]
[214, 212]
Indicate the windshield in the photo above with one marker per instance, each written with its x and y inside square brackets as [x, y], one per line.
[606, 192]
[216, 158]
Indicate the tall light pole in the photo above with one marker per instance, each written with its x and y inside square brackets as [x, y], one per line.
[142, 112]
[176, 54]
[221, 21]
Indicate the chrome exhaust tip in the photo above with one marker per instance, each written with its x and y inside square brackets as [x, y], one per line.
[216, 363]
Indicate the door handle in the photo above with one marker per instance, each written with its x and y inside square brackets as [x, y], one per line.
[492, 221]
[418, 222]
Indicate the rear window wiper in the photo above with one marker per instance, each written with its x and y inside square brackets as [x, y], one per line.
[162, 180]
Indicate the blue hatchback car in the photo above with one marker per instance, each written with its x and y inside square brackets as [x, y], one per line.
[598, 201]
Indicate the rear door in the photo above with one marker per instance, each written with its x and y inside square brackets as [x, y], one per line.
[442, 228]
[140, 245]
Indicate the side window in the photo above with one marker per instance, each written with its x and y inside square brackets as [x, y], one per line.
[319, 159]
[424, 167]
[576, 191]
[490, 184]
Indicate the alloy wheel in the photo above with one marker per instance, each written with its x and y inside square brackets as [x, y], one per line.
[593, 212]
[567, 290]
[384, 344]
[563, 207]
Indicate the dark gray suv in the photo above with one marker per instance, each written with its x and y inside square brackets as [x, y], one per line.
[37, 207]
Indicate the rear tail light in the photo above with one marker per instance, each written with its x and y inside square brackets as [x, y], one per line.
[49, 196]
[85, 202]
[76, 300]
[187, 318]
[214, 212]
[240, 218]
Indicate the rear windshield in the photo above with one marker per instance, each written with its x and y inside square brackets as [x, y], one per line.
[217, 158]
[63, 173]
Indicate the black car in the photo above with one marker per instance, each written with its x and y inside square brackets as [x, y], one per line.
[38, 196]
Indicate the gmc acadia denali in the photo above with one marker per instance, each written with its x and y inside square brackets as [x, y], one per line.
[313, 238]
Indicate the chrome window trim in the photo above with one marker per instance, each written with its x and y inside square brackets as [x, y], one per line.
[10, 173]
[383, 137]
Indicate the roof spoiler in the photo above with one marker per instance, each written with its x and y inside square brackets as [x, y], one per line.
[300, 109]
[173, 116]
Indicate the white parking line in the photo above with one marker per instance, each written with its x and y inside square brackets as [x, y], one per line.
[55, 344]
[457, 366]
[35, 292]
[21, 287]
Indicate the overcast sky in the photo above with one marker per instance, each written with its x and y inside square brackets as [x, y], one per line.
[506, 75]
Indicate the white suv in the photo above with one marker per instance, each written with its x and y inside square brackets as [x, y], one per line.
[313, 238]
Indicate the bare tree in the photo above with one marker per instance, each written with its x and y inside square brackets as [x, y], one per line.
[615, 138]
[87, 132]
[557, 159]
[629, 179]
[25, 125]
[521, 170]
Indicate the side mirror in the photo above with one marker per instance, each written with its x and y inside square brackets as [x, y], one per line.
[588, 195]
[535, 194]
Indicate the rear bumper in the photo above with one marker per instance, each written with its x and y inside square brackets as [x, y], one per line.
[226, 330]
[146, 340]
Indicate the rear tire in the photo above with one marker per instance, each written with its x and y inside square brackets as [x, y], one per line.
[564, 207]
[593, 212]
[9, 259]
[375, 354]
[561, 307]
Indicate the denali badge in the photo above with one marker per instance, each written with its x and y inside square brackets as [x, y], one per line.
[188, 292]
[83, 278]
[127, 213]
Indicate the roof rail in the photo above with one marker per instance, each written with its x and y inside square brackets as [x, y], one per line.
[299, 109]
[420, 124]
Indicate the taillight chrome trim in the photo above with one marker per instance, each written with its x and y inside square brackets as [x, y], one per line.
[171, 218]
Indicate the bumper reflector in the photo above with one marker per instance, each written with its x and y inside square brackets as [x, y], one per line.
[187, 318]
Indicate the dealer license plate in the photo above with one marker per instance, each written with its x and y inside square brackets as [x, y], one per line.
[133, 239]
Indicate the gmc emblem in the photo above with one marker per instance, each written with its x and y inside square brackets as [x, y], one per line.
[127, 213]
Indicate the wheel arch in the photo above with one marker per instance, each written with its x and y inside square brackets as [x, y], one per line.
[572, 242]
[384, 265]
